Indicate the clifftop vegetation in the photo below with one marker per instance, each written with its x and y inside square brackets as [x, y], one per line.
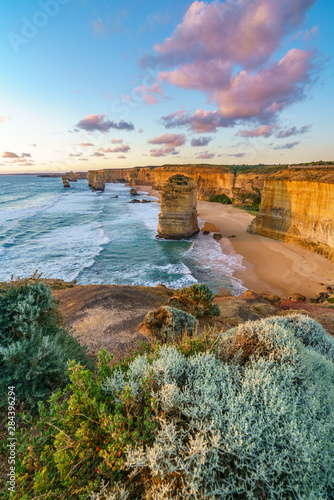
[242, 414]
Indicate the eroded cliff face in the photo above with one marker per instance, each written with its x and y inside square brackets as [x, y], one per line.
[242, 189]
[178, 216]
[298, 207]
[210, 180]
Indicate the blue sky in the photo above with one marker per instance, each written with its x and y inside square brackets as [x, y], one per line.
[75, 72]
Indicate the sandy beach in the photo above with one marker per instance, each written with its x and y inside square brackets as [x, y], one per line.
[282, 268]
[276, 266]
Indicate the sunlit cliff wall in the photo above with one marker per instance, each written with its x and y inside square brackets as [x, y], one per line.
[298, 207]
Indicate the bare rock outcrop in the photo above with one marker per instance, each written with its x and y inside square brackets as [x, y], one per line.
[178, 216]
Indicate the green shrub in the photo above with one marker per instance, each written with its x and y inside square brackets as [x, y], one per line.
[221, 198]
[34, 343]
[249, 416]
[80, 440]
[198, 298]
[167, 323]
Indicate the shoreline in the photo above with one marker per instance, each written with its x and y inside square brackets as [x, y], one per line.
[271, 265]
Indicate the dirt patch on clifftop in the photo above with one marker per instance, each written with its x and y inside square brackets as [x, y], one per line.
[108, 315]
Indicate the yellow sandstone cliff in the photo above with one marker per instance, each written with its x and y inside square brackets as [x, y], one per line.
[298, 206]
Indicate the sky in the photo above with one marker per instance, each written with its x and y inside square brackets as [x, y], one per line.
[88, 84]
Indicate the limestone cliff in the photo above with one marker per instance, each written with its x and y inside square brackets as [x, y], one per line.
[178, 216]
[298, 206]
[211, 180]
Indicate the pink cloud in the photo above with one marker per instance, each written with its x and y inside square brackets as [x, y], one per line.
[263, 131]
[237, 155]
[267, 92]
[86, 144]
[124, 148]
[150, 94]
[97, 154]
[121, 157]
[102, 124]
[4, 118]
[205, 156]
[294, 131]
[116, 141]
[170, 139]
[140, 131]
[246, 33]
[163, 151]
[9, 154]
[228, 52]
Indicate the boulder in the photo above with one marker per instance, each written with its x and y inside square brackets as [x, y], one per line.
[217, 236]
[206, 233]
[297, 297]
[178, 216]
[146, 201]
[134, 201]
[208, 226]
[133, 192]
[167, 323]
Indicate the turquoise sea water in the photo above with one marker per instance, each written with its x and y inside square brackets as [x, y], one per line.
[95, 238]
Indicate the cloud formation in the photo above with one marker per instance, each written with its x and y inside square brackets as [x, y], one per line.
[97, 153]
[163, 151]
[228, 52]
[102, 124]
[9, 154]
[289, 145]
[150, 94]
[124, 148]
[205, 156]
[169, 142]
[86, 144]
[263, 131]
[170, 139]
[116, 141]
[237, 155]
[294, 131]
[201, 141]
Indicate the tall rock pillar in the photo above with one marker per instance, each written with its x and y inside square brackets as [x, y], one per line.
[98, 182]
[178, 216]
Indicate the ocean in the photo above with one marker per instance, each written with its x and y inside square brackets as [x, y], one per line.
[96, 238]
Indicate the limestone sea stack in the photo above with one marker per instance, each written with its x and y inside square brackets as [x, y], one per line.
[66, 184]
[178, 216]
[98, 182]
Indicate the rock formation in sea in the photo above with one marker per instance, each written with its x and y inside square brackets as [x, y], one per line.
[98, 182]
[133, 192]
[298, 206]
[66, 184]
[178, 216]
